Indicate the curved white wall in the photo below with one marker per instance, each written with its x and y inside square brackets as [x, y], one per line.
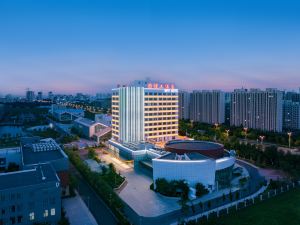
[202, 171]
[224, 162]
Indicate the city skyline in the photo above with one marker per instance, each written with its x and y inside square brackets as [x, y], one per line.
[149, 112]
[70, 47]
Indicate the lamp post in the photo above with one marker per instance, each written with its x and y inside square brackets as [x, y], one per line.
[290, 135]
[261, 137]
[245, 130]
[216, 125]
[227, 133]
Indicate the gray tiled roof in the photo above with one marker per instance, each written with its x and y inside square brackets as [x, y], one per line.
[33, 176]
[31, 156]
[85, 121]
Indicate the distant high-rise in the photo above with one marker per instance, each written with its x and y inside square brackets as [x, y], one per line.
[29, 96]
[50, 95]
[100, 96]
[39, 96]
[293, 96]
[291, 111]
[257, 109]
[184, 105]
[227, 107]
[207, 106]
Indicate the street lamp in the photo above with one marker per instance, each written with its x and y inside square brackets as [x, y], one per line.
[290, 135]
[245, 130]
[261, 137]
[227, 133]
[216, 125]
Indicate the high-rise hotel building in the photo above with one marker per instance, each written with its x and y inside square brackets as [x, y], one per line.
[144, 111]
[257, 109]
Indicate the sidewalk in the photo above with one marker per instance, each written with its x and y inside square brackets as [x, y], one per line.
[77, 211]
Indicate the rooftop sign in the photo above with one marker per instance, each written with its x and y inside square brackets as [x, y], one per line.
[160, 86]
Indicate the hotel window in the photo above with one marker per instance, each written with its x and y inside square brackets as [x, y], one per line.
[53, 212]
[20, 218]
[12, 196]
[31, 216]
[46, 213]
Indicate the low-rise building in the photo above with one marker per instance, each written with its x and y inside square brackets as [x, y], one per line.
[10, 156]
[30, 196]
[66, 114]
[195, 162]
[91, 129]
[36, 151]
[104, 119]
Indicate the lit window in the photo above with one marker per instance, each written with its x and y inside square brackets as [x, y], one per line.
[31, 216]
[46, 213]
[53, 212]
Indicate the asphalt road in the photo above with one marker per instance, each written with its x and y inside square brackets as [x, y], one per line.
[97, 206]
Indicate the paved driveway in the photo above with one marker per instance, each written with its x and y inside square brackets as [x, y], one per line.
[77, 212]
[145, 202]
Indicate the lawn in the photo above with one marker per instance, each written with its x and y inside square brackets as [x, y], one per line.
[48, 133]
[281, 210]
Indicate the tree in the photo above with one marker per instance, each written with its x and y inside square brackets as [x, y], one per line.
[230, 195]
[201, 190]
[92, 153]
[209, 204]
[237, 195]
[12, 167]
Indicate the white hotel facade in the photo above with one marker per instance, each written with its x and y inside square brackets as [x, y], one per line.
[144, 111]
[144, 114]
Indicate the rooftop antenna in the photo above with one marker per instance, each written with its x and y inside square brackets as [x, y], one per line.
[42, 172]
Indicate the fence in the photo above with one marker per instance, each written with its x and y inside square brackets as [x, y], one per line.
[261, 195]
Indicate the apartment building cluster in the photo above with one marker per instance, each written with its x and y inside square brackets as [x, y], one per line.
[268, 110]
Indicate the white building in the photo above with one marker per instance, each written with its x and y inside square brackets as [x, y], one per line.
[257, 109]
[195, 162]
[207, 106]
[145, 111]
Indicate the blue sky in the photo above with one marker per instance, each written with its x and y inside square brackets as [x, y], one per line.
[91, 46]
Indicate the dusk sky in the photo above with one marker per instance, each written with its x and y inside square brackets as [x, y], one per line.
[91, 46]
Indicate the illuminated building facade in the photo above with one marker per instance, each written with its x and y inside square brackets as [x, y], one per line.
[145, 111]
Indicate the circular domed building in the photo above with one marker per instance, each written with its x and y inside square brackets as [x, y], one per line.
[196, 162]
